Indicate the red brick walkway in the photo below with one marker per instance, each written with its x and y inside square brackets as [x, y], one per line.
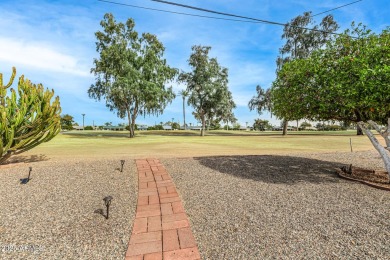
[161, 228]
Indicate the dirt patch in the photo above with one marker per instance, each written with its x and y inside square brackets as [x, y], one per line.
[375, 178]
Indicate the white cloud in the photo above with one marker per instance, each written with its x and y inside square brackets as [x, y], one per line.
[36, 55]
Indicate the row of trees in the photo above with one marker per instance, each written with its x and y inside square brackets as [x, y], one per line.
[320, 76]
[131, 74]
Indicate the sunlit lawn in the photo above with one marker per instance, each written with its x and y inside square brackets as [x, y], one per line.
[98, 144]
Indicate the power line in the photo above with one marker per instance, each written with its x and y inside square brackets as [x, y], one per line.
[243, 17]
[337, 8]
[249, 19]
[217, 12]
[173, 12]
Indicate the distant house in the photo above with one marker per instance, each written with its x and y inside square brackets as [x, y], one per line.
[142, 127]
[167, 127]
[243, 128]
[114, 128]
[195, 128]
[280, 128]
[77, 127]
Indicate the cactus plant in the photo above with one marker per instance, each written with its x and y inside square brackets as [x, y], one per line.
[27, 117]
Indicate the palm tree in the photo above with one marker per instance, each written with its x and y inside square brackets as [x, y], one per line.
[184, 93]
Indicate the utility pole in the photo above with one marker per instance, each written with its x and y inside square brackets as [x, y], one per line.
[83, 120]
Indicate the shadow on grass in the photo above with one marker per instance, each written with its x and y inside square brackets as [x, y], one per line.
[125, 134]
[274, 169]
[103, 134]
[80, 134]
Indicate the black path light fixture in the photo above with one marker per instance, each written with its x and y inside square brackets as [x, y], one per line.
[122, 163]
[25, 180]
[107, 202]
[29, 172]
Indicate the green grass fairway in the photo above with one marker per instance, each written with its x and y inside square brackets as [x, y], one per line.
[110, 144]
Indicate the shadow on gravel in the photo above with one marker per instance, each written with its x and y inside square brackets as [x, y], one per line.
[27, 159]
[100, 212]
[274, 169]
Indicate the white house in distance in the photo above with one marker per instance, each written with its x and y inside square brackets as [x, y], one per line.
[77, 127]
[114, 128]
[142, 127]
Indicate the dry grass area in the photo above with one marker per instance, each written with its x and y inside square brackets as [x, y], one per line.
[167, 144]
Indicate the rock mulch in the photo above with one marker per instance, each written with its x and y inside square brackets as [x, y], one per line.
[59, 213]
[161, 229]
[239, 207]
[283, 207]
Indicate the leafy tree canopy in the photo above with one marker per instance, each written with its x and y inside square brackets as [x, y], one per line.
[262, 101]
[262, 125]
[131, 72]
[346, 81]
[207, 85]
[67, 122]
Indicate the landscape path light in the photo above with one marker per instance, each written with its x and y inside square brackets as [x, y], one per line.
[29, 172]
[107, 202]
[122, 163]
[25, 180]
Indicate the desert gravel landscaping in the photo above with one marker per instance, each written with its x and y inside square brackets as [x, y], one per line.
[249, 197]
[282, 207]
[56, 214]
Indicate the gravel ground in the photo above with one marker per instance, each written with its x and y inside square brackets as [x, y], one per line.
[56, 214]
[283, 207]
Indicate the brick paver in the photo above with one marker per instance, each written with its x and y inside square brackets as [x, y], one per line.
[161, 229]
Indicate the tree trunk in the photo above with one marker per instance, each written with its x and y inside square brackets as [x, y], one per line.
[184, 113]
[131, 123]
[359, 130]
[382, 151]
[385, 134]
[202, 131]
[285, 124]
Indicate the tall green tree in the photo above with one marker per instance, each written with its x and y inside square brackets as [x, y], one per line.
[67, 122]
[347, 81]
[207, 85]
[261, 125]
[301, 42]
[28, 116]
[131, 72]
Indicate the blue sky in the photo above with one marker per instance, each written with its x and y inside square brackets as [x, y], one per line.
[53, 43]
